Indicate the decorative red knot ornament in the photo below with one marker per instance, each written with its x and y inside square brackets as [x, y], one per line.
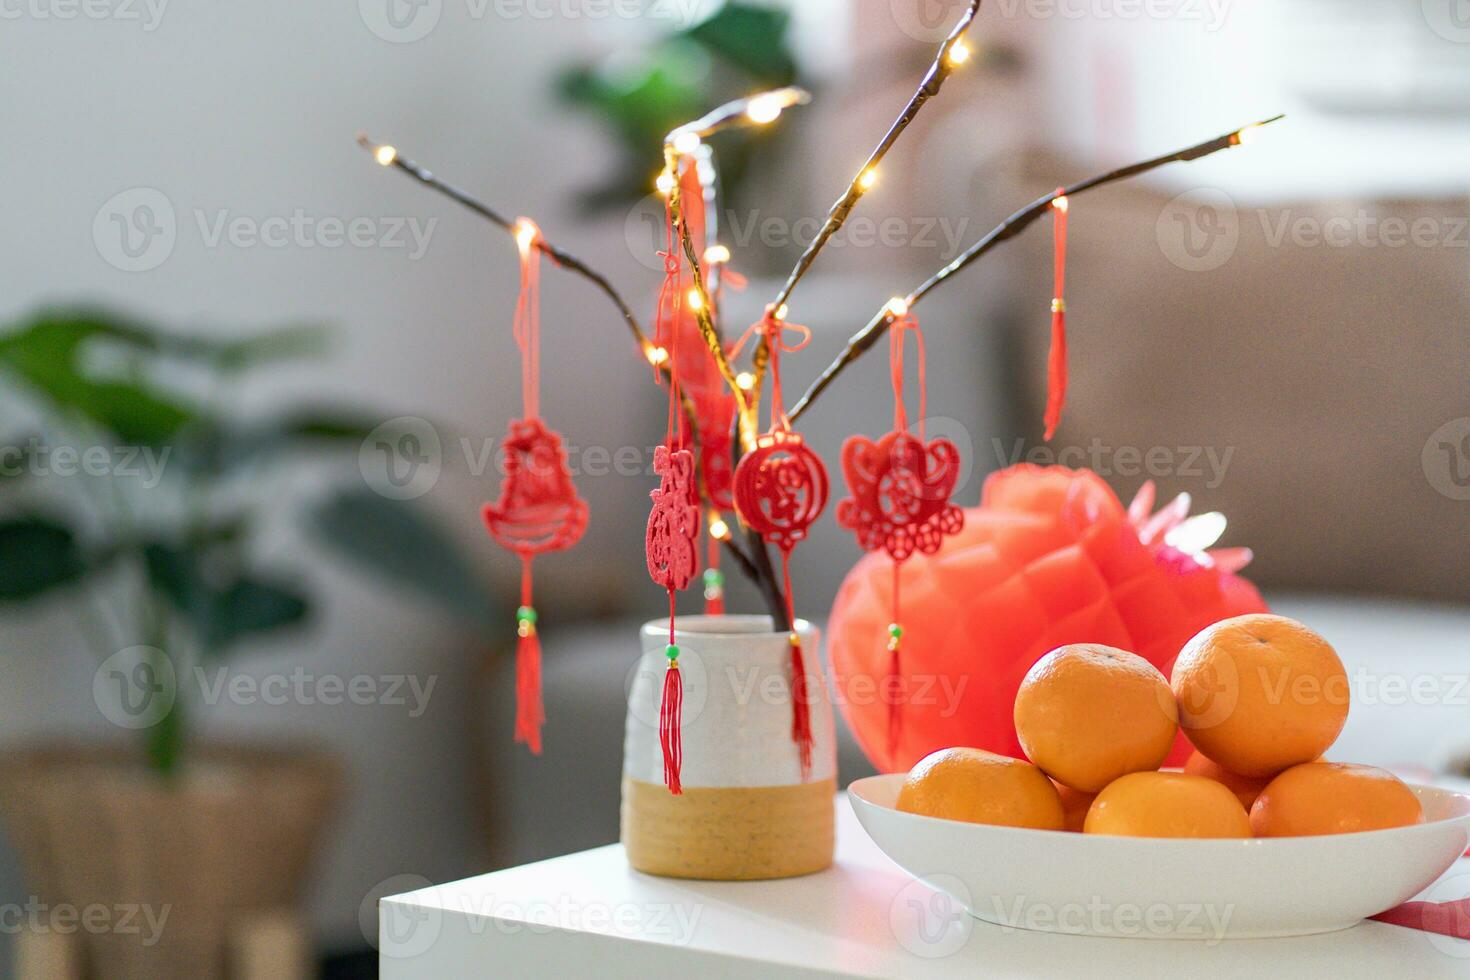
[538, 509]
[672, 541]
[900, 488]
[781, 489]
[900, 493]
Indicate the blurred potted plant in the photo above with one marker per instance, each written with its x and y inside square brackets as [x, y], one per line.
[147, 537]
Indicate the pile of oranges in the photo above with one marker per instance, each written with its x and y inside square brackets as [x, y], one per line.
[1260, 697]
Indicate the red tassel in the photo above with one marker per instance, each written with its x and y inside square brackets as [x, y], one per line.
[1056, 385]
[801, 721]
[895, 717]
[1056, 380]
[670, 711]
[530, 712]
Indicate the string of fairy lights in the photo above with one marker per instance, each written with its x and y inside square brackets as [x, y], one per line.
[688, 141]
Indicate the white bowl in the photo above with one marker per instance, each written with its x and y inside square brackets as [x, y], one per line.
[1157, 888]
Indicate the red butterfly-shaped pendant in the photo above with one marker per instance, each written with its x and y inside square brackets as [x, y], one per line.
[538, 509]
[900, 493]
[781, 488]
[671, 542]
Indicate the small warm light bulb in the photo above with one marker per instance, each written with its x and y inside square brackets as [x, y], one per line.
[781, 311]
[959, 54]
[686, 142]
[1061, 204]
[897, 307]
[764, 109]
[716, 255]
[657, 356]
[385, 155]
[525, 236]
[718, 529]
[745, 381]
[868, 178]
[1247, 135]
[695, 300]
[664, 183]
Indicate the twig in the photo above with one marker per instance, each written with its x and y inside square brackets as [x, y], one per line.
[759, 110]
[944, 64]
[389, 156]
[869, 335]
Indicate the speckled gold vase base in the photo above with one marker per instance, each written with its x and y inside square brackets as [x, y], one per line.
[741, 834]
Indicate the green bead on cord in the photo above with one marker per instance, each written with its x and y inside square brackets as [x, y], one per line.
[714, 578]
[895, 633]
[526, 621]
[672, 652]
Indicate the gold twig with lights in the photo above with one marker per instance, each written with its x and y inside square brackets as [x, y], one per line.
[897, 307]
[952, 53]
[684, 141]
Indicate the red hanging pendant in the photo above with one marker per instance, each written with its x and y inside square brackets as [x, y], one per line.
[672, 540]
[900, 493]
[1056, 368]
[900, 503]
[538, 509]
[780, 490]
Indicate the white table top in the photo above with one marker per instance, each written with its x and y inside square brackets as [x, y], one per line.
[589, 914]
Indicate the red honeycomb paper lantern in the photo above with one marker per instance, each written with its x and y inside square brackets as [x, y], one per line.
[1049, 557]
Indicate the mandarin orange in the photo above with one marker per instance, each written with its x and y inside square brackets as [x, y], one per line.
[1246, 788]
[981, 787]
[1087, 714]
[1166, 804]
[1074, 805]
[1333, 798]
[1260, 693]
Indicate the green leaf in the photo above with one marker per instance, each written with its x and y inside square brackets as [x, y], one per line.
[221, 615]
[250, 606]
[37, 555]
[752, 38]
[46, 352]
[398, 542]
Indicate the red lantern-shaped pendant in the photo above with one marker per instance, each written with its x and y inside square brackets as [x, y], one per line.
[781, 488]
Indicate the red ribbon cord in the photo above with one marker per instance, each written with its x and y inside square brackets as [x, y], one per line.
[1056, 386]
[905, 324]
[527, 322]
[774, 330]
